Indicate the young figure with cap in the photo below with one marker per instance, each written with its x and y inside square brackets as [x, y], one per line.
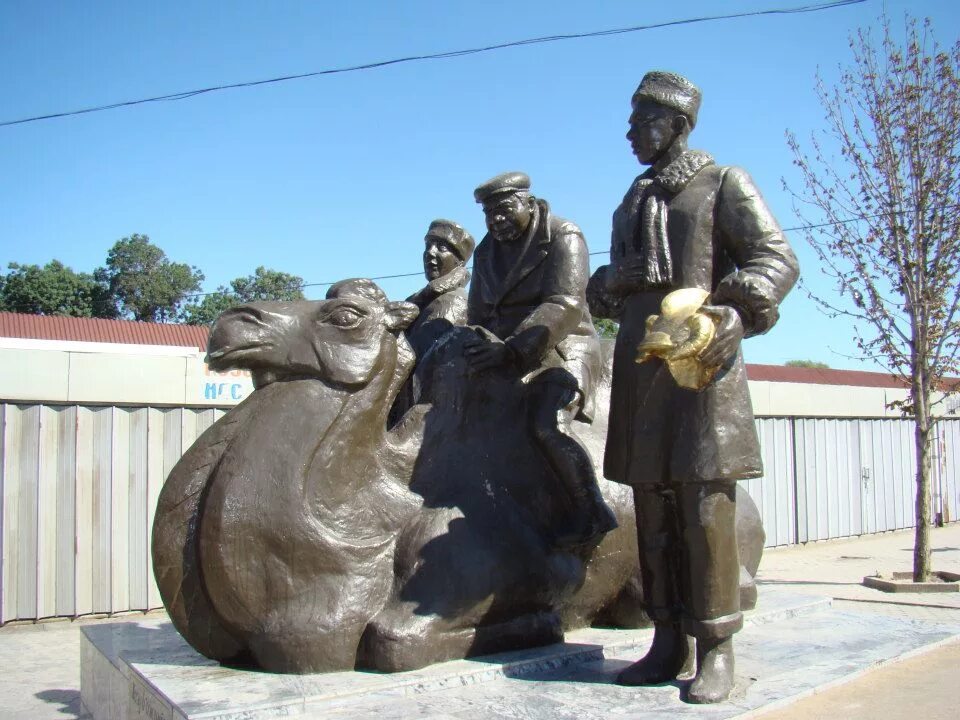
[528, 293]
[687, 222]
[443, 302]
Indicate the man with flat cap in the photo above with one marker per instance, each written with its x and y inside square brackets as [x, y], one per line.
[687, 222]
[528, 293]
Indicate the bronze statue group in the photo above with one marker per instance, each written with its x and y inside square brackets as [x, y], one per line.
[405, 485]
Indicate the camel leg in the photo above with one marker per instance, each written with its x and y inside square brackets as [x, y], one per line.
[306, 650]
[530, 630]
[426, 641]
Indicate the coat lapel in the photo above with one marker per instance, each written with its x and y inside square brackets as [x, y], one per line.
[536, 246]
[483, 266]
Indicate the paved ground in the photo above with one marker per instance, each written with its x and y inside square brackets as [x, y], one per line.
[922, 686]
[835, 569]
[39, 664]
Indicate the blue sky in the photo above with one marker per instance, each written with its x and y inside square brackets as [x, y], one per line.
[339, 176]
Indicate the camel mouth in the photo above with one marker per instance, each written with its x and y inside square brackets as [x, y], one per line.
[223, 358]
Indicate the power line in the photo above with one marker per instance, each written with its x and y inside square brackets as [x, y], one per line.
[855, 218]
[435, 56]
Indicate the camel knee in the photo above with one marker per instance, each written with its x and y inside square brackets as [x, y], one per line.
[306, 650]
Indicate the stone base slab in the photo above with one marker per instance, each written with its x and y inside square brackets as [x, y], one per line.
[790, 645]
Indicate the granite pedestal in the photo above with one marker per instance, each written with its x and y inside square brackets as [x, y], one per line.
[791, 646]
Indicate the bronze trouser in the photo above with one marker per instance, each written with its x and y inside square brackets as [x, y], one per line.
[554, 401]
[688, 556]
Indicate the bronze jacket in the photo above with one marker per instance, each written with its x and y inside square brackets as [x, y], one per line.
[538, 304]
[443, 305]
[723, 238]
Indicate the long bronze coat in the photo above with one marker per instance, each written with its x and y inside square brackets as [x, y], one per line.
[533, 297]
[723, 238]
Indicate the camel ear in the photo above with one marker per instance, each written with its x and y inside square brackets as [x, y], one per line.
[399, 314]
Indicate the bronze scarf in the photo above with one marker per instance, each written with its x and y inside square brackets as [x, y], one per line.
[652, 240]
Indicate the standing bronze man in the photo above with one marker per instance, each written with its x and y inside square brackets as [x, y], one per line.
[528, 292]
[687, 222]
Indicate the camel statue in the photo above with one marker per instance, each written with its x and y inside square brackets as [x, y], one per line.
[301, 534]
[274, 534]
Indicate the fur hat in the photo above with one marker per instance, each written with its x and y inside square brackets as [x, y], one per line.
[673, 91]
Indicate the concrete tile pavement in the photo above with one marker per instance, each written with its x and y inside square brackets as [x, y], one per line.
[40, 674]
[40, 668]
[921, 686]
[835, 568]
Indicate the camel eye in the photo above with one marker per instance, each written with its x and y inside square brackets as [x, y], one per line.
[345, 317]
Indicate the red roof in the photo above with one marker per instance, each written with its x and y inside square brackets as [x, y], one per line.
[823, 376]
[50, 327]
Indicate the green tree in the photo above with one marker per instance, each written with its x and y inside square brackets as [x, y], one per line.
[807, 364]
[606, 328]
[144, 283]
[209, 308]
[889, 159]
[54, 289]
[264, 284]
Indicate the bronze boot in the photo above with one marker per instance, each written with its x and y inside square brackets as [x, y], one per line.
[589, 522]
[663, 662]
[602, 520]
[689, 669]
[714, 679]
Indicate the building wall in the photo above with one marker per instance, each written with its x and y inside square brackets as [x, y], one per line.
[88, 373]
[810, 400]
[91, 373]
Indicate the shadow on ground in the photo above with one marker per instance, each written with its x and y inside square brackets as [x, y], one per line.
[936, 550]
[68, 699]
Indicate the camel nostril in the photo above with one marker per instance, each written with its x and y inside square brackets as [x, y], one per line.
[246, 314]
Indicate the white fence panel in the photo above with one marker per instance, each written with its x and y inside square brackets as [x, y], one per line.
[79, 490]
[888, 472]
[774, 493]
[946, 465]
[828, 479]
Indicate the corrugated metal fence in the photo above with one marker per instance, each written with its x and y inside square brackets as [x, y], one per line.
[79, 488]
[80, 483]
[837, 477]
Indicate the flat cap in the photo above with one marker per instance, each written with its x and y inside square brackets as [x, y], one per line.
[673, 91]
[459, 239]
[508, 182]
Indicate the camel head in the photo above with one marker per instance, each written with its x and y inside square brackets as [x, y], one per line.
[340, 340]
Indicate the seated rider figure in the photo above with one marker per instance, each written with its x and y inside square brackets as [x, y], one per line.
[528, 295]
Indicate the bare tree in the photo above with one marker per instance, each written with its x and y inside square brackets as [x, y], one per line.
[883, 178]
